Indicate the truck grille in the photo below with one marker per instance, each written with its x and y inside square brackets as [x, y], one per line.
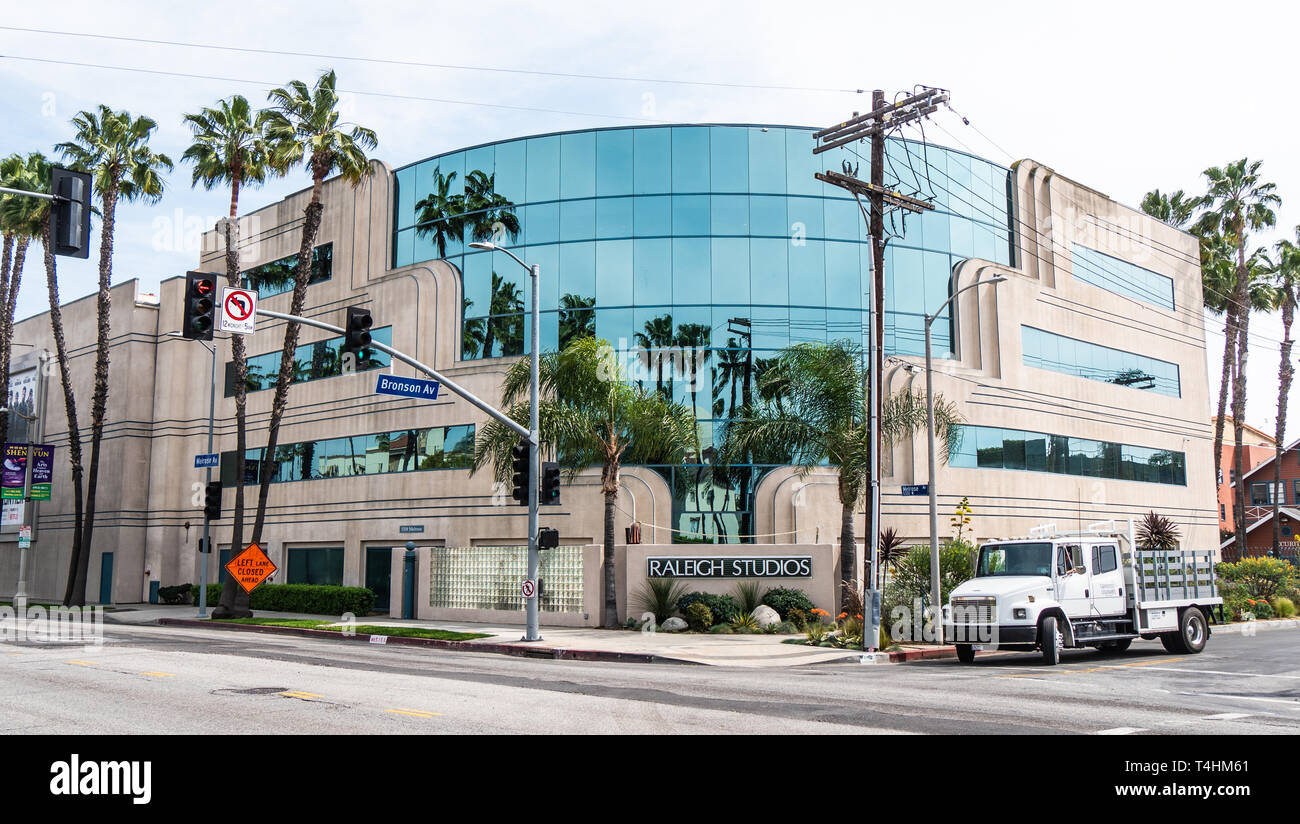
[974, 611]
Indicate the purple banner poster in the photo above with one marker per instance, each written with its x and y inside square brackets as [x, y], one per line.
[14, 471]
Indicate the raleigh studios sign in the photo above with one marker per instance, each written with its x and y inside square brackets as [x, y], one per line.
[785, 566]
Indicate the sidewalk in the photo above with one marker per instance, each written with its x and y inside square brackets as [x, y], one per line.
[557, 642]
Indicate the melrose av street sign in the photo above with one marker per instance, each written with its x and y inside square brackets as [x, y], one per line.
[724, 566]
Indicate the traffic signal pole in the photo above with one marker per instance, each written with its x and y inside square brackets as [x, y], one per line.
[205, 556]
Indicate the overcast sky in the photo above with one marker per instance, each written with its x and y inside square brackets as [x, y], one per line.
[1123, 97]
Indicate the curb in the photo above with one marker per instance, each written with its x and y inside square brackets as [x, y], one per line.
[922, 654]
[518, 650]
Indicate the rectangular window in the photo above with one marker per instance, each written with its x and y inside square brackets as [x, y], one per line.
[1122, 278]
[276, 277]
[322, 566]
[312, 361]
[1083, 359]
[1260, 494]
[1104, 559]
[985, 447]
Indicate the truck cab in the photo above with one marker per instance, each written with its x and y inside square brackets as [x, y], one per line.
[1054, 590]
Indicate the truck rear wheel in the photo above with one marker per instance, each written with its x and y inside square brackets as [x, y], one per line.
[1050, 640]
[965, 653]
[1191, 635]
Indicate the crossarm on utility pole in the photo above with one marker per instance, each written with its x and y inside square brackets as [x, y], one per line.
[404, 358]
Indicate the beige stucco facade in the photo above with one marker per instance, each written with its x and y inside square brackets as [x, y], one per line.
[150, 498]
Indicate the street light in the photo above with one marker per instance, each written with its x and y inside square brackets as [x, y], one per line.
[935, 605]
[530, 604]
[207, 525]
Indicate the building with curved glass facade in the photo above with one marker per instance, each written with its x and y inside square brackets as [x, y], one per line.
[699, 252]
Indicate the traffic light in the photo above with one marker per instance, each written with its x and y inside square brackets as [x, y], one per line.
[521, 481]
[356, 333]
[200, 305]
[70, 217]
[548, 538]
[550, 484]
[212, 501]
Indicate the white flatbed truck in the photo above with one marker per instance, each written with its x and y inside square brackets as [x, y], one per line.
[1093, 588]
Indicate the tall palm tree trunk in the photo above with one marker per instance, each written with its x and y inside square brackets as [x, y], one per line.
[848, 545]
[1285, 373]
[70, 408]
[99, 400]
[6, 266]
[1242, 296]
[609, 617]
[311, 225]
[234, 600]
[1229, 350]
[7, 308]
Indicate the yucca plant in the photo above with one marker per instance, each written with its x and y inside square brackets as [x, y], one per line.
[660, 596]
[1157, 532]
[749, 594]
[745, 621]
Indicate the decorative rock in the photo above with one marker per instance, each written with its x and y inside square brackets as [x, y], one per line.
[765, 616]
[673, 624]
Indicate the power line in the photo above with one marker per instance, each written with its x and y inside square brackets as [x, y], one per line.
[425, 65]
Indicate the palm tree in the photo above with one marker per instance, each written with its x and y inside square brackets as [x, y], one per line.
[577, 318]
[1238, 202]
[230, 147]
[486, 212]
[657, 335]
[22, 219]
[1286, 282]
[303, 126]
[114, 148]
[824, 420]
[440, 213]
[1174, 209]
[590, 415]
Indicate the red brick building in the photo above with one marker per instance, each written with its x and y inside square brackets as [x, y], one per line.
[1257, 447]
[1261, 493]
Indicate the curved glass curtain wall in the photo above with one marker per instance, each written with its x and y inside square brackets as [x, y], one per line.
[713, 237]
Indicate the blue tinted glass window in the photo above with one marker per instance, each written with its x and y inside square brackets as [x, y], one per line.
[1084, 359]
[767, 216]
[844, 279]
[730, 258]
[543, 169]
[478, 284]
[691, 268]
[614, 162]
[577, 270]
[548, 258]
[729, 159]
[769, 271]
[844, 220]
[541, 223]
[808, 273]
[614, 217]
[404, 183]
[1122, 277]
[690, 159]
[577, 220]
[653, 272]
[578, 165]
[511, 166]
[654, 216]
[771, 326]
[691, 215]
[482, 159]
[613, 274]
[729, 214]
[652, 159]
[801, 164]
[767, 161]
[805, 216]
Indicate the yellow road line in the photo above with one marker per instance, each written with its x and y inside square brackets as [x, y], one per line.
[300, 694]
[160, 674]
[81, 663]
[415, 713]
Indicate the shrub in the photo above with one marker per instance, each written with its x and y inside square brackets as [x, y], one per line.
[310, 599]
[660, 596]
[784, 600]
[745, 621]
[911, 578]
[721, 629]
[1258, 607]
[723, 607]
[699, 617]
[1284, 607]
[1234, 600]
[749, 595]
[177, 594]
[785, 628]
[797, 617]
[1260, 577]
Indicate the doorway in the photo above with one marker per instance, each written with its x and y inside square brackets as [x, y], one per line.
[379, 576]
[106, 578]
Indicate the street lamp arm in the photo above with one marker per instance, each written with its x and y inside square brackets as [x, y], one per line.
[492, 247]
[929, 319]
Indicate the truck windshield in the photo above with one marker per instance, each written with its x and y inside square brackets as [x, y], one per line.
[1014, 559]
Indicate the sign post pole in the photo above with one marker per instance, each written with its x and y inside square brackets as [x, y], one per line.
[20, 595]
[205, 554]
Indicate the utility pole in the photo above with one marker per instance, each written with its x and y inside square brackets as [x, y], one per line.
[883, 117]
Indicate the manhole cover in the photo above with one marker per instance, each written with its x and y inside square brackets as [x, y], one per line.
[251, 691]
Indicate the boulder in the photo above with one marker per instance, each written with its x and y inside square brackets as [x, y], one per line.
[673, 624]
[765, 616]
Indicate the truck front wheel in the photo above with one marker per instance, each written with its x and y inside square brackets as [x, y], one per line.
[965, 653]
[1050, 639]
[1191, 635]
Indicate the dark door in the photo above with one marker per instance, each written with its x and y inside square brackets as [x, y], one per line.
[379, 575]
[106, 578]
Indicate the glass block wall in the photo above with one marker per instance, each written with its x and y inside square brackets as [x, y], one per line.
[479, 577]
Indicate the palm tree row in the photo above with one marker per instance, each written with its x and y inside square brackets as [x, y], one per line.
[1236, 282]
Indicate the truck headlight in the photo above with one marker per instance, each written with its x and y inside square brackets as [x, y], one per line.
[1020, 613]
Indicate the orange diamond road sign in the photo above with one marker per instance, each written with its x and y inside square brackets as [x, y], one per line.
[251, 567]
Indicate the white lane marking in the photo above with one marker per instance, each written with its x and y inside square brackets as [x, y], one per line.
[1226, 716]
[1120, 731]
[1295, 705]
[1223, 672]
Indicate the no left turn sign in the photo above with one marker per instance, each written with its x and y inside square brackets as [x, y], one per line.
[529, 588]
[238, 311]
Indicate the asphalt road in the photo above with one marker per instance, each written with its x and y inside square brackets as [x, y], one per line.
[170, 680]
